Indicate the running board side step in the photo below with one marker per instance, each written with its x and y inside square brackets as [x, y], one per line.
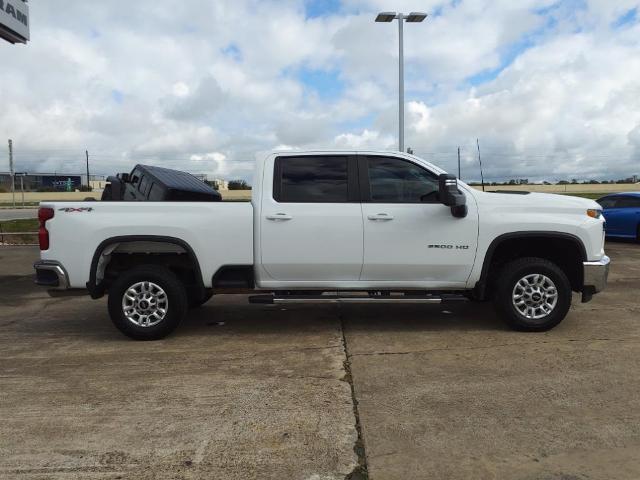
[274, 299]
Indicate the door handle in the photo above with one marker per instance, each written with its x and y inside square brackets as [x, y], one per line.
[279, 216]
[380, 216]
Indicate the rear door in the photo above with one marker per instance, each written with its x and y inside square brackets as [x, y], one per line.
[311, 226]
[409, 236]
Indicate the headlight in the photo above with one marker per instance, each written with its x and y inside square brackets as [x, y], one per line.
[594, 213]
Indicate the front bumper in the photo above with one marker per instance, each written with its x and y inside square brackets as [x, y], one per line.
[51, 274]
[595, 277]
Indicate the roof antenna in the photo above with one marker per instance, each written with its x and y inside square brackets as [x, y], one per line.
[480, 160]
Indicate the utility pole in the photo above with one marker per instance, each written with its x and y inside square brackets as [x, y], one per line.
[88, 182]
[480, 160]
[401, 83]
[22, 188]
[413, 17]
[459, 177]
[11, 172]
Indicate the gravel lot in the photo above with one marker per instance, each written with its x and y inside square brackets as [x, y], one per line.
[256, 391]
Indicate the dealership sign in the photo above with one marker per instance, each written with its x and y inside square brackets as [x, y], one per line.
[14, 21]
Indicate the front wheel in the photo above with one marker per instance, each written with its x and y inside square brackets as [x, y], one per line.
[532, 294]
[147, 302]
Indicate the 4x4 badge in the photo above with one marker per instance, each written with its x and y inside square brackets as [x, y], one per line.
[72, 209]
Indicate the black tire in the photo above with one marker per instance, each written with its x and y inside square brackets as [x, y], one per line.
[174, 292]
[638, 234]
[196, 301]
[506, 283]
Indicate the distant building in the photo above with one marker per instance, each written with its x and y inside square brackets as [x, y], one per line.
[97, 184]
[38, 181]
[220, 184]
[635, 178]
[217, 183]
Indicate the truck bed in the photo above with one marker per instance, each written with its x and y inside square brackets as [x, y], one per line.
[218, 233]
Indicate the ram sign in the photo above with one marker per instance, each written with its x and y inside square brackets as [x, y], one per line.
[14, 21]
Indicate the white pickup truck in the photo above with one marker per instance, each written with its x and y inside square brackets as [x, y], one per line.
[329, 227]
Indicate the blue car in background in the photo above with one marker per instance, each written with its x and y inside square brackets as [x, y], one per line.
[622, 214]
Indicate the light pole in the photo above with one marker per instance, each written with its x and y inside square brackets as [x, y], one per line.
[413, 17]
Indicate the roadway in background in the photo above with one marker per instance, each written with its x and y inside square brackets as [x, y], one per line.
[17, 213]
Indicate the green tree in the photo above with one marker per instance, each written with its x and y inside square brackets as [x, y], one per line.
[239, 185]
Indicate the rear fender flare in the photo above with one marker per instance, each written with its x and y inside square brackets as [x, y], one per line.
[97, 289]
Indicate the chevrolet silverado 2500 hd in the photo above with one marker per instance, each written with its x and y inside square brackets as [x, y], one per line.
[329, 227]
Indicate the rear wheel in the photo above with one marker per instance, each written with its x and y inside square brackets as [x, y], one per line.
[147, 302]
[532, 294]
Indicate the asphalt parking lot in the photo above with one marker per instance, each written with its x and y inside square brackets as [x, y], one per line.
[258, 391]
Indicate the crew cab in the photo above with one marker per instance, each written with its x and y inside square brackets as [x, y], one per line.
[329, 227]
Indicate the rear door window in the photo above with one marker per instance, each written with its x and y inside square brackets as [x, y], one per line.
[312, 179]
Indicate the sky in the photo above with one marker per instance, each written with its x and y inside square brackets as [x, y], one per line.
[550, 88]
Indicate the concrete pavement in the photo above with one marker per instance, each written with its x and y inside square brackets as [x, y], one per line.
[450, 393]
[260, 395]
[256, 391]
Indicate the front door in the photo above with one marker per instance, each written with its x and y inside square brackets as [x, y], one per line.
[409, 237]
[311, 227]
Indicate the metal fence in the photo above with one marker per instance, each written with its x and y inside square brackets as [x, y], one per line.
[21, 238]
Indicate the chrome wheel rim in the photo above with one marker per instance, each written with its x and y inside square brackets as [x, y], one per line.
[535, 296]
[145, 304]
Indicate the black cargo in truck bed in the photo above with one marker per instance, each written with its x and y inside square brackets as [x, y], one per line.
[150, 183]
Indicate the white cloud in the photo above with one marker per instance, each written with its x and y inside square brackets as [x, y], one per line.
[208, 85]
[181, 89]
[566, 107]
[366, 140]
